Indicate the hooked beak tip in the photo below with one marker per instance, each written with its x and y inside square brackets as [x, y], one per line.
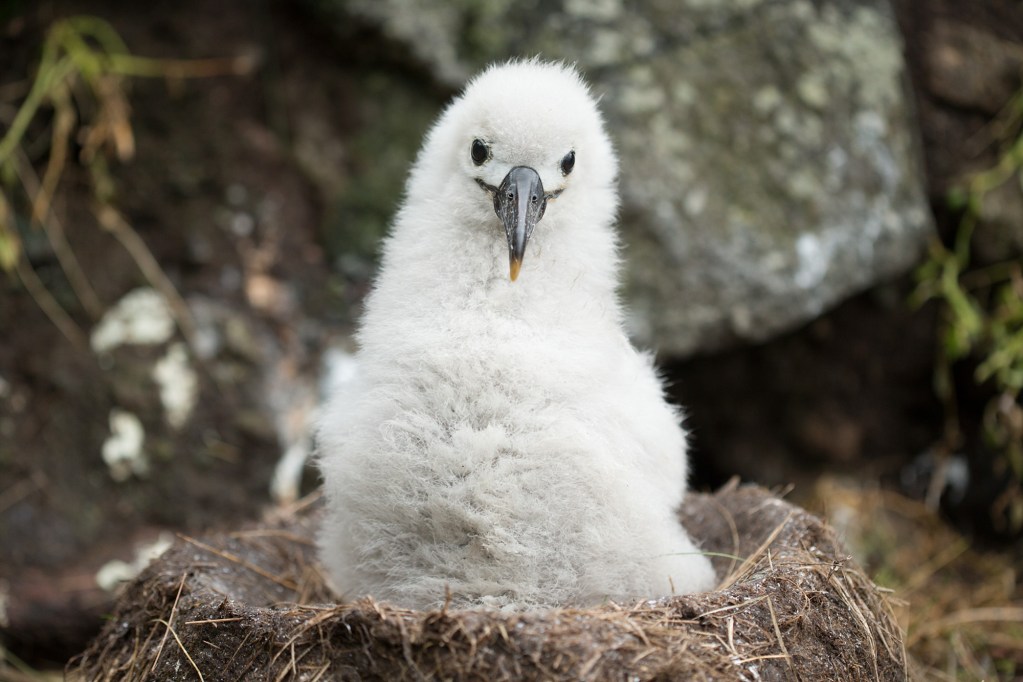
[516, 265]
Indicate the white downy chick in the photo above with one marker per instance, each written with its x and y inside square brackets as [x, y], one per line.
[504, 444]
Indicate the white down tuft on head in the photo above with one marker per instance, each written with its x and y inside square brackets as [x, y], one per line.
[504, 443]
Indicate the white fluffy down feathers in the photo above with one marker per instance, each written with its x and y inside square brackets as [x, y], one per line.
[503, 443]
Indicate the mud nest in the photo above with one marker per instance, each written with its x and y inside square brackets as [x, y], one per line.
[252, 605]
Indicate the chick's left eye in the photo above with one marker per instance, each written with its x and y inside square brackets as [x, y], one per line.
[479, 152]
[568, 163]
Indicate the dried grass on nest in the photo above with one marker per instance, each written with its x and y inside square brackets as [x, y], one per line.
[960, 606]
[252, 606]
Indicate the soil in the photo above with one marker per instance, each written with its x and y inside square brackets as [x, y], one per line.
[234, 188]
[207, 161]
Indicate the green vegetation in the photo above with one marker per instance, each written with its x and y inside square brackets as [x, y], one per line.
[982, 319]
[78, 96]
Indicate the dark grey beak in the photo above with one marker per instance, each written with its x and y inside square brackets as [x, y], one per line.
[519, 203]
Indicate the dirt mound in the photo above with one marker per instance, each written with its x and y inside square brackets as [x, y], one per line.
[252, 605]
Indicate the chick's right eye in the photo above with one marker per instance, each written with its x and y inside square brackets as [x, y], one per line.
[480, 152]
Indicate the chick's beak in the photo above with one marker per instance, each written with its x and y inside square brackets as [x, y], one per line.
[520, 203]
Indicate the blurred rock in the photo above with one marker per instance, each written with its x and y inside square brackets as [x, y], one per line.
[769, 161]
[999, 235]
[971, 68]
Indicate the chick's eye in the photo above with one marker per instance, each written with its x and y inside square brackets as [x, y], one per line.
[479, 152]
[568, 163]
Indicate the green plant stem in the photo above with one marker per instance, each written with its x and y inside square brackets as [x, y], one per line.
[130, 65]
[42, 87]
[989, 275]
[993, 177]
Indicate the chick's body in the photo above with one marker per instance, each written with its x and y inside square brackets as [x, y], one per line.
[504, 443]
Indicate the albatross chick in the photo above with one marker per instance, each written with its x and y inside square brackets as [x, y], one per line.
[503, 443]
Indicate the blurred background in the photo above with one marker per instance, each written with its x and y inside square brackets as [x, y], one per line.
[822, 218]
